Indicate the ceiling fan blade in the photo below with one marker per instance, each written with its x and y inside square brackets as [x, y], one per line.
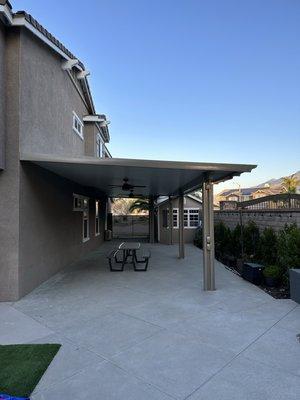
[139, 186]
[115, 186]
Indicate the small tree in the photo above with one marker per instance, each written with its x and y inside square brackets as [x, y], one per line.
[235, 245]
[290, 183]
[251, 240]
[289, 247]
[268, 247]
[222, 240]
[139, 205]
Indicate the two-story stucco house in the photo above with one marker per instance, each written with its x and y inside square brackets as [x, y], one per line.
[46, 107]
[56, 173]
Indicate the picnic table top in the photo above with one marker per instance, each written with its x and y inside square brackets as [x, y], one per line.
[129, 246]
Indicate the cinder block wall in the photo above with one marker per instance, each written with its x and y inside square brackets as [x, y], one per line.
[274, 219]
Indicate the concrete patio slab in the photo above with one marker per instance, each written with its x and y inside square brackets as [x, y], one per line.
[245, 379]
[105, 381]
[157, 335]
[19, 328]
[70, 360]
[175, 363]
[287, 354]
[110, 334]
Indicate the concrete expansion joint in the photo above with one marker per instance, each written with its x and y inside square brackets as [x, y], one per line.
[241, 352]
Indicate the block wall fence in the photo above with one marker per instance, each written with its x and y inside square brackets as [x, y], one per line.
[263, 218]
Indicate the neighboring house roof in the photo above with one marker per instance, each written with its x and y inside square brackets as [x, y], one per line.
[242, 191]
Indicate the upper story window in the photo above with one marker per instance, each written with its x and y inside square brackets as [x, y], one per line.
[100, 148]
[77, 125]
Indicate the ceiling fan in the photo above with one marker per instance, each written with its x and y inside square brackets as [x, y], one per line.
[127, 186]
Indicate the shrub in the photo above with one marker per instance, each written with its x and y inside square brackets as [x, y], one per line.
[251, 240]
[198, 238]
[235, 245]
[268, 247]
[273, 271]
[289, 247]
[222, 240]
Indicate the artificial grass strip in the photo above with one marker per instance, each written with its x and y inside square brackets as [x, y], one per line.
[23, 365]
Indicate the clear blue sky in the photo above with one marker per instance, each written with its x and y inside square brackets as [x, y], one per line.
[191, 80]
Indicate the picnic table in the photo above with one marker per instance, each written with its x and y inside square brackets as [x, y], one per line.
[129, 256]
[129, 250]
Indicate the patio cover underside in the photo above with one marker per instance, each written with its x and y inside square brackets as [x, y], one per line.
[160, 178]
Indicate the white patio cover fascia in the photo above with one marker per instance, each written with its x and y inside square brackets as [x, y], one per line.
[160, 178]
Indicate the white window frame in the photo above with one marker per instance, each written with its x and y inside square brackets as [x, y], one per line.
[188, 212]
[175, 224]
[100, 146]
[86, 217]
[77, 125]
[97, 217]
[78, 202]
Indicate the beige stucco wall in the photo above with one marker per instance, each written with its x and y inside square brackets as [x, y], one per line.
[189, 233]
[90, 136]
[48, 99]
[9, 178]
[50, 231]
[2, 96]
[39, 232]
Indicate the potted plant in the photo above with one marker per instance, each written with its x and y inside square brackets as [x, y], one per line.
[272, 275]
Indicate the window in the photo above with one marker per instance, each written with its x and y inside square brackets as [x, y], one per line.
[78, 202]
[77, 125]
[190, 218]
[165, 218]
[185, 218]
[100, 149]
[85, 221]
[193, 217]
[175, 218]
[97, 221]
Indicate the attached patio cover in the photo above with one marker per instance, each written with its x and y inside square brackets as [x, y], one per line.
[160, 178]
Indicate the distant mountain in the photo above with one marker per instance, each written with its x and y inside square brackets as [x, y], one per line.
[277, 182]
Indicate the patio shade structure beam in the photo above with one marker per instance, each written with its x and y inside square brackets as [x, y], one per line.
[208, 237]
[181, 225]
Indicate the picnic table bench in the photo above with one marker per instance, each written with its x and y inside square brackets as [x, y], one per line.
[125, 251]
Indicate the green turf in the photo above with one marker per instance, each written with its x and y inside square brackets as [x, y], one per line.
[23, 365]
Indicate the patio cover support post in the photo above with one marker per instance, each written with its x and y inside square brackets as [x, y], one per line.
[181, 225]
[208, 237]
[151, 219]
[170, 221]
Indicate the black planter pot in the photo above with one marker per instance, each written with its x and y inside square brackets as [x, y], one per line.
[270, 281]
[295, 284]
